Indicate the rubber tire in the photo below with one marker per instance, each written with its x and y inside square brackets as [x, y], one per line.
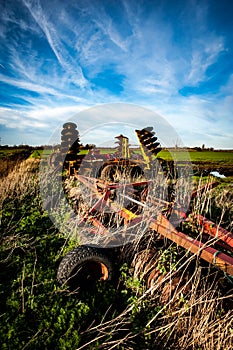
[76, 260]
[111, 172]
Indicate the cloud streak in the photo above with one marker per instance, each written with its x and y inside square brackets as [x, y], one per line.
[58, 49]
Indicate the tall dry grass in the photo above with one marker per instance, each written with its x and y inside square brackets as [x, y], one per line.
[20, 183]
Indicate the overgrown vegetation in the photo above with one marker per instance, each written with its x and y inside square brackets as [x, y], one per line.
[10, 157]
[187, 304]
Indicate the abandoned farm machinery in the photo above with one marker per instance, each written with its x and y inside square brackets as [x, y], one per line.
[124, 196]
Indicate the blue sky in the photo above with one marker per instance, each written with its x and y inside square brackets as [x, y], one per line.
[61, 57]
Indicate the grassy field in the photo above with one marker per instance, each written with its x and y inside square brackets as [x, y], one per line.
[204, 161]
[195, 156]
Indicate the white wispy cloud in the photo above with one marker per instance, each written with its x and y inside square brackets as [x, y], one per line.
[205, 52]
[36, 126]
[22, 84]
[200, 120]
[9, 18]
[106, 25]
[72, 68]
[20, 120]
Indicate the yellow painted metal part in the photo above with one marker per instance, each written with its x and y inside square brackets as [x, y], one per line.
[147, 158]
[130, 215]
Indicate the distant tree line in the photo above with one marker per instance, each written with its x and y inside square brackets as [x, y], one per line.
[200, 149]
[27, 147]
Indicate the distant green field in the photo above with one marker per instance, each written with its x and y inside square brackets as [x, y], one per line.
[204, 156]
